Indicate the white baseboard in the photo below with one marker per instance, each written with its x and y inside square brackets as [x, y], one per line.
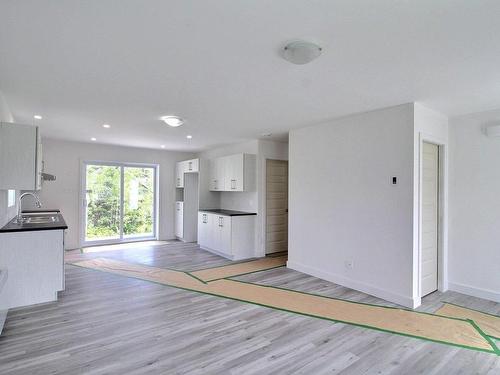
[356, 285]
[474, 292]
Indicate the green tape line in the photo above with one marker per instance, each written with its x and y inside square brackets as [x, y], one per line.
[245, 273]
[494, 349]
[468, 308]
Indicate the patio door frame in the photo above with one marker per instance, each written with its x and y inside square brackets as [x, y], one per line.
[83, 201]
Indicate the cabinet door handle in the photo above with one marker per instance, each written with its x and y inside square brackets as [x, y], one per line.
[190, 164]
[233, 184]
[221, 221]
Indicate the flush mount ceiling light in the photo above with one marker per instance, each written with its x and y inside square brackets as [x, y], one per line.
[162, 146]
[37, 117]
[301, 52]
[173, 121]
[93, 139]
[107, 126]
[189, 136]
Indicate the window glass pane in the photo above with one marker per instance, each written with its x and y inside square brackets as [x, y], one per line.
[11, 200]
[139, 200]
[103, 202]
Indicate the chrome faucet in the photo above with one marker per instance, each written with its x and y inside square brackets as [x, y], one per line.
[19, 205]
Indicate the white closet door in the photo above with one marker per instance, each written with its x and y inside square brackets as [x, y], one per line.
[430, 214]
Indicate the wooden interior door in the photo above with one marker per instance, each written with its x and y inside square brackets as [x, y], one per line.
[276, 206]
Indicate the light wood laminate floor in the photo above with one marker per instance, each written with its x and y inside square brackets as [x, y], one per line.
[110, 324]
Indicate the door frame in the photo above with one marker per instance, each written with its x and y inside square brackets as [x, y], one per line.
[442, 247]
[264, 216]
[83, 194]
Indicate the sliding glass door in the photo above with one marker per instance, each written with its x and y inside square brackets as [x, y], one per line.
[119, 202]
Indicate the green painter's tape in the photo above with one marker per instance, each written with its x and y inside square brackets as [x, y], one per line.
[194, 277]
[245, 273]
[468, 308]
[494, 349]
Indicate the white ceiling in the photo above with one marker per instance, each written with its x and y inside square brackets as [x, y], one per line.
[216, 63]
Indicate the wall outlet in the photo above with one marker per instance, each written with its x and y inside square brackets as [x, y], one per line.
[349, 264]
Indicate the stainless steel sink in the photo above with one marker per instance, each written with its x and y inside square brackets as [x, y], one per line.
[31, 219]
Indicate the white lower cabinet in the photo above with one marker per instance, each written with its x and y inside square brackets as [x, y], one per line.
[179, 219]
[232, 237]
[34, 261]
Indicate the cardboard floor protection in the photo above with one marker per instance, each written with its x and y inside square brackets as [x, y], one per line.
[490, 324]
[236, 269]
[452, 331]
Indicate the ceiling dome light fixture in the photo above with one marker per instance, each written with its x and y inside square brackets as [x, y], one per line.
[106, 126]
[301, 52]
[173, 121]
[37, 117]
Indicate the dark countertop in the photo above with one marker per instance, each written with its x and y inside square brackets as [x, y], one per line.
[41, 210]
[13, 226]
[226, 212]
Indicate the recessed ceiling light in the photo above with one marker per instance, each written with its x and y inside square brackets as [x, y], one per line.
[37, 117]
[189, 136]
[107, 126]
[162, 146]
[173, 121]
[93, 139]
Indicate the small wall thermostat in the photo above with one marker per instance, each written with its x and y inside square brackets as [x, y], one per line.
[394, 180]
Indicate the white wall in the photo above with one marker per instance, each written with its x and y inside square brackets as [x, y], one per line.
[343, 207]
[6, 213]
[474, 244]
[64, 159]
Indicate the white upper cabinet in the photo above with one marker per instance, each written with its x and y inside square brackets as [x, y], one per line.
[179, 175]
[20, 157]
[192, 165]
[217, 173]
[235, 165]
[187, 166]
[233, 173]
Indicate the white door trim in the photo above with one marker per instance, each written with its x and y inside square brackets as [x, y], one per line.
[443, 212]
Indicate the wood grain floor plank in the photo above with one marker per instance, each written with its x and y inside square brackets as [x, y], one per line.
[108, 324]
